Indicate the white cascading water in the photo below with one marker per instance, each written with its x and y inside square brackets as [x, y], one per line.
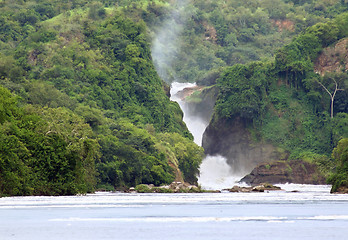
[195, 124]
[215, 173]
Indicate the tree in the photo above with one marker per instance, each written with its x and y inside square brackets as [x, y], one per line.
[241, 90]
[7, 104]
[339, 180]
[332, 94]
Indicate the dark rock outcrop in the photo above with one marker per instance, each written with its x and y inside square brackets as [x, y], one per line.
[202, 105]
[259, 188]
[291, 171]
[174, 187]
[231, 139]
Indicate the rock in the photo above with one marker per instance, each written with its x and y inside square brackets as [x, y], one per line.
[270, 187]
[333, 58]
[231, 139]
[291, 171]
[244, 189]
[200, 101]
[234, 189]
[131, 190]
[174, 187]
[259, 188]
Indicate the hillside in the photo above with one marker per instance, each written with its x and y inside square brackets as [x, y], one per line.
[282, 108]
[87, 108]
[215, 34]
[84, 101]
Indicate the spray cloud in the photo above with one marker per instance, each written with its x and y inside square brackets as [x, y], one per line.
[215, 172]
[166, 43]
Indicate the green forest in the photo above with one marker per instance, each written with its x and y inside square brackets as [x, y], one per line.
[82, 107]
[287, 103]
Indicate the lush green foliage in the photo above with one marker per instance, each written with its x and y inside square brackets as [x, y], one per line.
[82, 104]
[45, 151]
[92, 110]
[241, 90]
[220, 33]
[340, 155]
[283, 100]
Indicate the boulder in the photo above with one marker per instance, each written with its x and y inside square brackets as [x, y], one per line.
[174, 187]
[290, 171]
[341, 190]
[258, 188]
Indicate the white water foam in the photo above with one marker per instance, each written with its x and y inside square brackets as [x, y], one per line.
[305, 188]
[195, 124]
[215, 173]
[270, 219]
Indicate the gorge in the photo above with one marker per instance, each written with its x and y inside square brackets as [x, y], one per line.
[245, 116]
[85, 89]
[215, 172]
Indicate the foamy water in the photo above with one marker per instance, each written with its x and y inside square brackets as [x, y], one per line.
[215, 173]
[195, 124]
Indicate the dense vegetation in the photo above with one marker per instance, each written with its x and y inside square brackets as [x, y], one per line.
[339, 179]
[44, 150]
[87, 108]
[219, 33]
[82, 106]
[285, 102]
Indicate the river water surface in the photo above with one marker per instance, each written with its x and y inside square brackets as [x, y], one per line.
[311, 213]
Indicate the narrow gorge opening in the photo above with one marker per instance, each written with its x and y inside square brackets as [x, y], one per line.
[215, 172]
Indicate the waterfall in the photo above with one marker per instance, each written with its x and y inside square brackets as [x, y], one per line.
[195, 124]
[215, 173]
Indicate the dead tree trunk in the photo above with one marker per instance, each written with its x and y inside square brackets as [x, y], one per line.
[332, 95]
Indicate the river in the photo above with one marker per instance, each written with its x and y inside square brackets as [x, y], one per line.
[311, 213]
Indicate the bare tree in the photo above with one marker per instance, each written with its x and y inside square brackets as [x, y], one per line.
[332, 95]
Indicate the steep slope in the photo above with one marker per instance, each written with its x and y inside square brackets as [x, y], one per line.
[93, 63]
[282, 104]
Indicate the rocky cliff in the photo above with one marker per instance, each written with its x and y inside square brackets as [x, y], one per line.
[333, 58]
[201, 102]
[294, 171]
[233, 140]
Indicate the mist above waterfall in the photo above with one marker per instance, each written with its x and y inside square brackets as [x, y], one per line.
[166, 43]
[215, 172]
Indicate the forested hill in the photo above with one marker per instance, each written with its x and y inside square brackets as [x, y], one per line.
[297, 102]
[81, 103]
